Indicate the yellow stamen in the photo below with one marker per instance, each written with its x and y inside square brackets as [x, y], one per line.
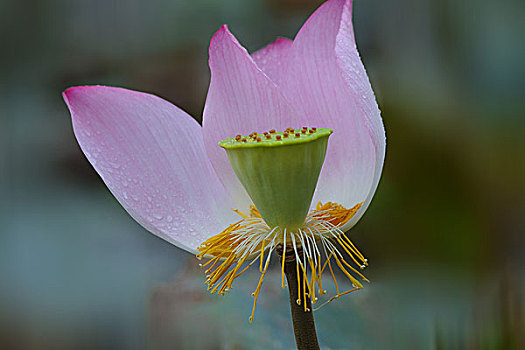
[350, 277]
[258, 289]
[238, 212]
[333, 276]
[355, 249]
[254, 212]
[262, 256]
[282, 262]
[312, 284]
[305, 280]
[341, 242]
[320, 273]
[298, 285]
[245, 241]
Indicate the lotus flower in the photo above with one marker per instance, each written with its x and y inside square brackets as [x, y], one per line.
[172, 177]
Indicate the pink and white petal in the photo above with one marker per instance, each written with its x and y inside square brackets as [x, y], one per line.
[151, 156]
[327, 84]
[241, 99]
[273, 59]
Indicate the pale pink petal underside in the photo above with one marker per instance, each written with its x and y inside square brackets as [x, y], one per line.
[327, 84]
[273, 59]
[241, 99]
[151, 156]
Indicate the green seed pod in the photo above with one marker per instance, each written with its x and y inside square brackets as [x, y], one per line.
[279, 170]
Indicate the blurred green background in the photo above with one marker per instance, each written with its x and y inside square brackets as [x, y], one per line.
[444, 235]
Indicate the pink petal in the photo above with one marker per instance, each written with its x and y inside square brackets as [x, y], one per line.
[151, 156]
[241, 99]
[327, 85]
[273, 59]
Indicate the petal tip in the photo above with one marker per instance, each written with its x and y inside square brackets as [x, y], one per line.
[282, 41]
[219, 34]
[223, 41]
[71, 91]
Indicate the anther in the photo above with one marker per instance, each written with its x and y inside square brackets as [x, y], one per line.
[238, 138]
[297, 134]
[272, 131]
[305, 128]
[265, 133]
[258, 139]
[244, 139]
[278, 137]
[268, 136]
[314, 128]
[285, 134]
[303, 131]
[311, 131]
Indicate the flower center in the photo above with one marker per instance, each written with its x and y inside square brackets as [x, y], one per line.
[279, 170]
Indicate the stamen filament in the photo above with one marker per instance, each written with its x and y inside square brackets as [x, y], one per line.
[284, 256]
[249, 238]
[262, 256]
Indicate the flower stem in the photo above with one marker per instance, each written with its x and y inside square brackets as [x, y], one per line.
[303, 321]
